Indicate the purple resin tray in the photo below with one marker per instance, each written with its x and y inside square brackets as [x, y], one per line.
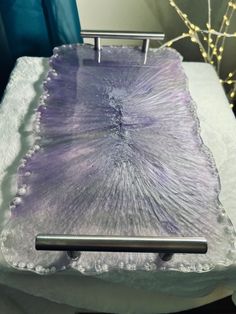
[117, 152]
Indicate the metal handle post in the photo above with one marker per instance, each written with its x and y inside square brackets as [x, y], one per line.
[145, 36]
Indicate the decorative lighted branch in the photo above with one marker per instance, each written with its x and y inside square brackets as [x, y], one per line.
[210, 42]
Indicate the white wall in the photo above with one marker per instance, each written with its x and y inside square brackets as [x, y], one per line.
[158, 15]
[118, 15]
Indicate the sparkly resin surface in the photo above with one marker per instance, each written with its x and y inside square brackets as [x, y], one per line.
[117, 152]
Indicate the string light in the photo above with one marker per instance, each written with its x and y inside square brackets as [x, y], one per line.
[210, 41]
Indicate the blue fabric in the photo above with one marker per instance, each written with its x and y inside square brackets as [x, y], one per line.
[6, 61]
[62, 21]
[34, 28]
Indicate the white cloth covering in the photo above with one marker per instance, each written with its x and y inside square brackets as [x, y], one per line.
[177, 291]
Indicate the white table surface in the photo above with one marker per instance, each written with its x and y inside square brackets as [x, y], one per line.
[176, 291]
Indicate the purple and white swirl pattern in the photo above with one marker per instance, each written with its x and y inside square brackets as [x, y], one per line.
[117, 152]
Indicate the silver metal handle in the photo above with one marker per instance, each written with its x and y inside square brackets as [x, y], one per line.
[165, 246]
[170, 245]
[145, 36]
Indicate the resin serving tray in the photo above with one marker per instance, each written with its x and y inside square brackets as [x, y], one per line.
[117, 152]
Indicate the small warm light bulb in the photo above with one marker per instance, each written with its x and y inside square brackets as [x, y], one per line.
[229, 82]
[204, 54]
[232, 94]
[230, 74]
[221, 49]
[231, 106]
[219, 57]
